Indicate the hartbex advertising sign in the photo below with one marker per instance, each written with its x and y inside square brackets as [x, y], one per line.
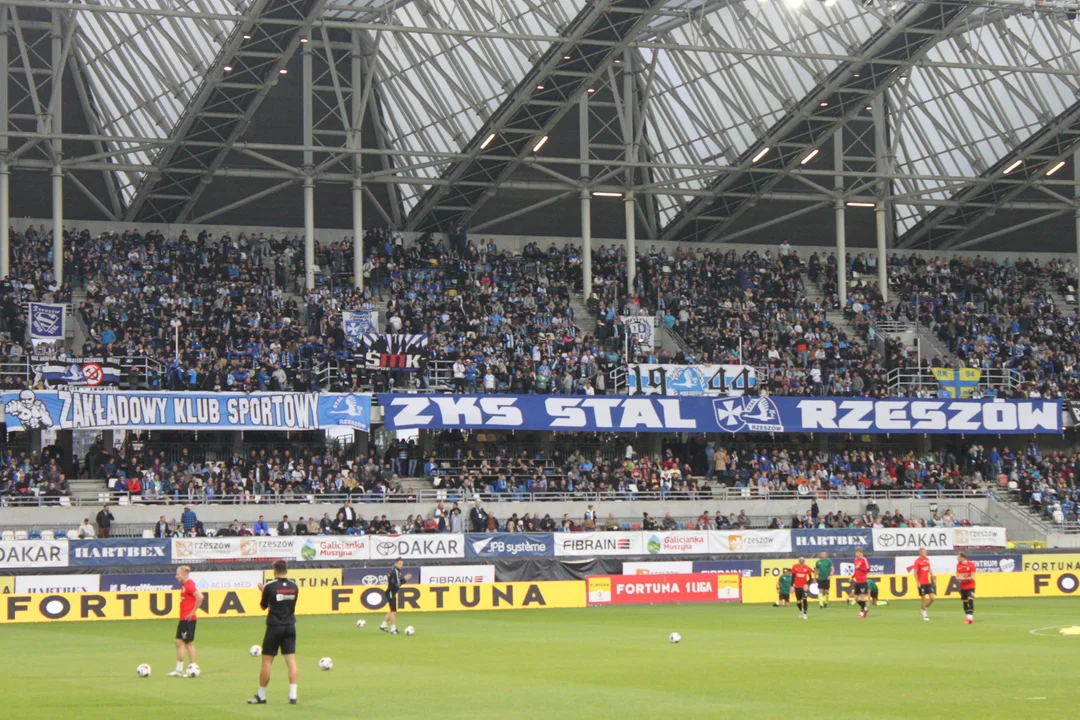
[510, 545]
[661, 589]
[720, 415]
[120, 551]
[814, 541]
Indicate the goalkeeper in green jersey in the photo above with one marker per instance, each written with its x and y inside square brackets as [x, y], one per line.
[823, 569]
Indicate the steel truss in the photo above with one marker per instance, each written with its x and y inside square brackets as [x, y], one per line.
[686, 96]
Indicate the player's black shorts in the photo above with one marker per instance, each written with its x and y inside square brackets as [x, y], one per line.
[185, 630]
[281, 638]
[927, 589]
[967, 594]
[800, 594]
[785, 597]
[858, 588]
[391, 600]
[824, 585]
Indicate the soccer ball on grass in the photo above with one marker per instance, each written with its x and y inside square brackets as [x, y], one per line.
[326, 663]
[255, 651]
[193, 671]
[143, 670]
[361, 623]
[409, 630]
[674, 637]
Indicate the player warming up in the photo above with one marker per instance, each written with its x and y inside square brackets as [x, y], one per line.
[858, 579]
[925, 576]
[965, 574]
[783, 589]
[190, 600]
[823, 569]
[279, 600]
[393, 584]
[802, 575]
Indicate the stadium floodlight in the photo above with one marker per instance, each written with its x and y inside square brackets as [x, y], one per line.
[1012, 167]
[761, 153]
[283, 71]
[227, 68]
[811, 156]
[861, 204]
[605, 193]
[823, 104]
[1054, 169]
[830, 3]
[488, 141]
[540, 144]
[247, 37]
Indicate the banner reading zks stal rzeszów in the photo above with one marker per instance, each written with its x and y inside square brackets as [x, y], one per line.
[757, 414]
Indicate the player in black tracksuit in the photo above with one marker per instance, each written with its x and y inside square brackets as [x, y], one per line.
[279, 600]
[393, 584]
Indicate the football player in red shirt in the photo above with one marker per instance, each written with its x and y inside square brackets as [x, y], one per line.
[965, 573]
[802, 575]
[190, 600]
[858, 578]
[925, 575]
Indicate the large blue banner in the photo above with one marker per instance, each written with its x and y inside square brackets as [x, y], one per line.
[82, 410]
[121, 551]
[727, 415]
[746, 568]
[510, 545]
[814, 541]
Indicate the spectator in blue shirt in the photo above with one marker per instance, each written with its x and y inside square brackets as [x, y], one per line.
[188, 518]
[261, 528]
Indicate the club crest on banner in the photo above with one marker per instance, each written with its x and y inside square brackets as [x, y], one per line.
[756, 414]
[46, 321]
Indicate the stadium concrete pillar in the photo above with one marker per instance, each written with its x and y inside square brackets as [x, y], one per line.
[358, 233]
[841, 225]
[5, 172]
[631, 154]
[56, 115]
[309, 181]
[586, 197]
[58, 223]
[5, 211]
[1076, 217]
[882, 260]
[356, 124]
[881, 165]
[309, 233]
[631, 244]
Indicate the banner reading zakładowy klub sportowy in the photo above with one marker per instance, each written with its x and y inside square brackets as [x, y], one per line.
[713, 415]
[81, 410]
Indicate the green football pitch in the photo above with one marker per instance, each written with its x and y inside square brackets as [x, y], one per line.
[740, 661]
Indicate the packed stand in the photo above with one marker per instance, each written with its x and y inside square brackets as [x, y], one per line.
[236, 330]
[996, 315]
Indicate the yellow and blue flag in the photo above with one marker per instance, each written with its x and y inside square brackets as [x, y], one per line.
[960, 383]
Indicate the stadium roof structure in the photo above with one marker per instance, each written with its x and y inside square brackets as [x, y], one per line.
[697, 120]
